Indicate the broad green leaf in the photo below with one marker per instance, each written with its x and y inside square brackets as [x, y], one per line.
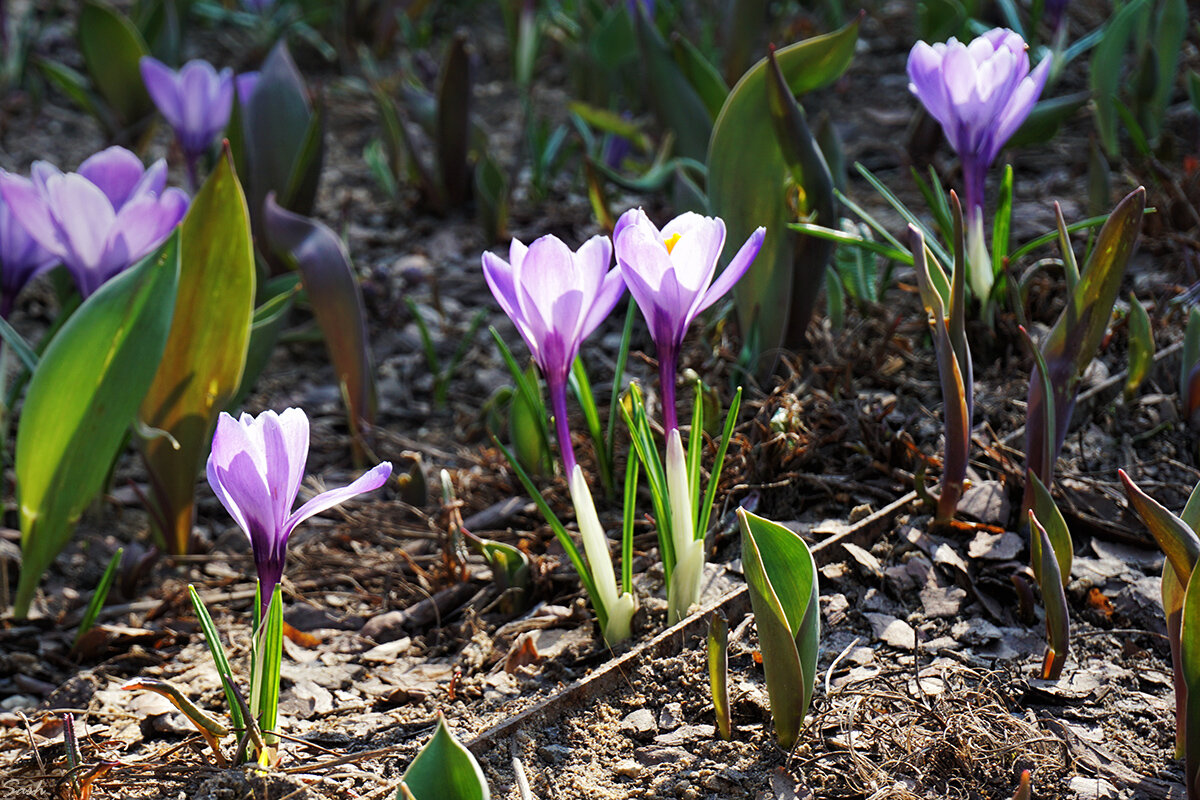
[454, 123]
[782, 578]
[811, 186]
[321, 258]
[744, 33]
[111, 48]
[1073, 341]
[1141, 346]
[445, 770]
[676, 103]
[205, 355]
[1058, 630]
[1178, 541]
[1189, 659]
[81, 401]
[745, 167]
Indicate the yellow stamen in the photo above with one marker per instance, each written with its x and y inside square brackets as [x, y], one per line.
[670, 243]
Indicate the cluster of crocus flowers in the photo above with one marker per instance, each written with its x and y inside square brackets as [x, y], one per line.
[980, 93]
[556, 298]
[100, 220]
[670, 273]
[255, 469]
[196, 102]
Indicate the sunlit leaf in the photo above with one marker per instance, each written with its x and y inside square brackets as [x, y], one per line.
[445, 770]
[745, 165]
[81, 401]
[782, 577]
[676, 103]
[718, 671]
[1189, 635]
[202, 365]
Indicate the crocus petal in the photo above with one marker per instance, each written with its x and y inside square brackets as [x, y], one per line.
[153, 180]
[116, 171]
[1017, 110]
[733, 272]
[245, 84]
[214, 481]
[83, 216]
[695, 254]
[143, 224]
[31, 210]
[370, 480]
[162, 84]
[611, 289]
[293, 425]
[630, 217]
[499, 277]
[244, 484]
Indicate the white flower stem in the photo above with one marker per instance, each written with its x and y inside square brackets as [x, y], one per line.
[619, 607]
[683, 589]
[979, 272]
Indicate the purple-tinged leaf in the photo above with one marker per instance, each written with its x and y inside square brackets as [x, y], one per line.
[1176, 539]
[1172, 603]
[1056, 528]
[324, 265]
[1079, 329]
[1058, 626]
[811, 184]
[112, 47]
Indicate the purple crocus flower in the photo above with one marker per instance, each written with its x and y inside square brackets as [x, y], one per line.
[258, 6]
[556, 298]
[981, 93]
[670, 275]
[246, 83]
[100, 220]
[196, 101]
[255, 469]
[21, 258]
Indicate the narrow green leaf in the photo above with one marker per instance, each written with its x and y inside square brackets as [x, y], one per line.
[628, 514]
[714, 477]
[1106, 71]
[1047, 117]
[745, 163]
[112, 47]
[81, 401]
[220, 661]
[270, 658]
[782, 578]
[718, 672]
[582, 389]
[1172, 603]
[205, 354]
[1002, 223]
[528, 392]
[694, 447]
[642, 439]
[77, 88]
[99, 596]
[324, 265]
[17, 342]
[1188, 360]
[560, 533]
[445, 770]
[853, 240]
[1141, 347]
